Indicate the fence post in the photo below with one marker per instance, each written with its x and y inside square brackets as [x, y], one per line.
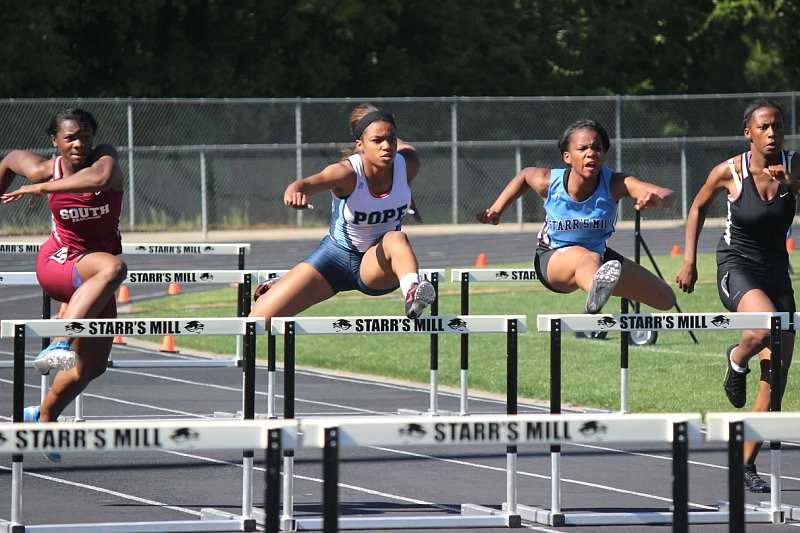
[454, 159]
[298, 150]
[203, 195]
[131, 181]
[618, 142]
[794, 120]
[684, 180]
[517, 169]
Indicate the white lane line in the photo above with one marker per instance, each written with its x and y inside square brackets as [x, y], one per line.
[110, 492]
[538, 476]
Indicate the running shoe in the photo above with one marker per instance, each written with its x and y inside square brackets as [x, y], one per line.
[31, 415]
[57, 355]
[605, 279]
[419, 297]
[753, 481]
[735, 382]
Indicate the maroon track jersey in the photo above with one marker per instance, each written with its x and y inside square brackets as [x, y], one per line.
[85, 221]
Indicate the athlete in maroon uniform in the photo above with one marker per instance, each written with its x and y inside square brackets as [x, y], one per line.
[78, 264]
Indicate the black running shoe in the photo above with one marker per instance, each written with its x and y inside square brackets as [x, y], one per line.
[753, 481]
[605, 279]
[735, 382]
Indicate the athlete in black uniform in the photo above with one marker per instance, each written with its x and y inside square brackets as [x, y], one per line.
[752, 261]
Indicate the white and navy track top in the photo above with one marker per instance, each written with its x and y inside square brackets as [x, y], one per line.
[569, 222]
[360, 219]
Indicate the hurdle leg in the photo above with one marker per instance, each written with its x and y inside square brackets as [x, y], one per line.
[17, 416]
[623, 363]
[44, 385]
[271, 372]
[248, 413]
[463, 374]
[433, 408]
[79, 408]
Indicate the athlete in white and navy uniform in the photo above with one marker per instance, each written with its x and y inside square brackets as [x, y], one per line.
[752, 261]
[580, 204]
[365, 249]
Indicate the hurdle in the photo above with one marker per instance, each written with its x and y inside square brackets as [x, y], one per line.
[735, 428]
[555, 324]
[290, 328]
[433, 275]
[484, 275]
[242, 278]
[19, 330]
[184, 435]
[511, 430]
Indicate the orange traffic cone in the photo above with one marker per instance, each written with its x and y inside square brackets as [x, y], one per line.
[118, 340]
[168, 344]
[676, 250]
[62, 310]
[480, 261]
[174, 289]
[122, 297]
[790, 244]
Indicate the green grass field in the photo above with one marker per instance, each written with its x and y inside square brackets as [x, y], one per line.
[673, 375]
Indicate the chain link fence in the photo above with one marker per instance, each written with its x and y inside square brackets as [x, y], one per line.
[201, 164]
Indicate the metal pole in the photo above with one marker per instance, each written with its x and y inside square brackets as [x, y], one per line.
[794, 120]
[454, 160]
[464, 372]
[203, 195]
[298, 151]
[433, 407]
[555, 409]
[131, 173]
[512, 381]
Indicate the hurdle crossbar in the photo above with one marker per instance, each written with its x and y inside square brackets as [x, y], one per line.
[555, 324]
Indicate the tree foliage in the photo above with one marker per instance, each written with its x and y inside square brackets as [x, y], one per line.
[287, 48]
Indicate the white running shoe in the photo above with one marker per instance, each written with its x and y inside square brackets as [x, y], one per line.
[605, 279]
[57, 355]
[419, 297]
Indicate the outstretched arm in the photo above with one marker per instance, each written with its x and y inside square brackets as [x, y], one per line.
[719, 179]
[535, 178]
[339, 178]
[644, 194]
[23, 163]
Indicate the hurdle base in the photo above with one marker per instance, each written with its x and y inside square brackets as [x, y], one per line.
[415, 412]
[209, 513]
[11, 527]
[176, 526]
[403, 522]
[225, 415]
[775, 517]
[790, 512]
[471, 509]
[546, 517]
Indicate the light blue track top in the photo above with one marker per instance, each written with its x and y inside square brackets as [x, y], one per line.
[569, 223]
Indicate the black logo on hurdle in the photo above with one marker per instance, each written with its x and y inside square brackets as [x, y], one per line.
[342, 325]
[3, 439]
[606, 322]
[592, 428]
[208, 249]
[414, 431]
[502, 275]
[184, 435]
[206, 276]
[721, 321]
[194, 326]
[73, 328]
[141, 248]
[457, 324]
[1, 278]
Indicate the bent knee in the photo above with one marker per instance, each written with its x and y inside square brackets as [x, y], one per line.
[759, 337]
[115, 272]
[392, 239]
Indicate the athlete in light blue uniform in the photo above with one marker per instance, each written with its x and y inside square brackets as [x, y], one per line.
[580, 204]
[365, 248]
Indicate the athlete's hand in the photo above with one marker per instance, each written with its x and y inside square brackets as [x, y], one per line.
[33, 190]
[488, 216]
[687, 277]
[297, 200]
[658, 197]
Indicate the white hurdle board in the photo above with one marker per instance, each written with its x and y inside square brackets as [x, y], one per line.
[663, 321]
[495, 275]
[110, 327]
[146, 248]
[388, 325]
[264, 275]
